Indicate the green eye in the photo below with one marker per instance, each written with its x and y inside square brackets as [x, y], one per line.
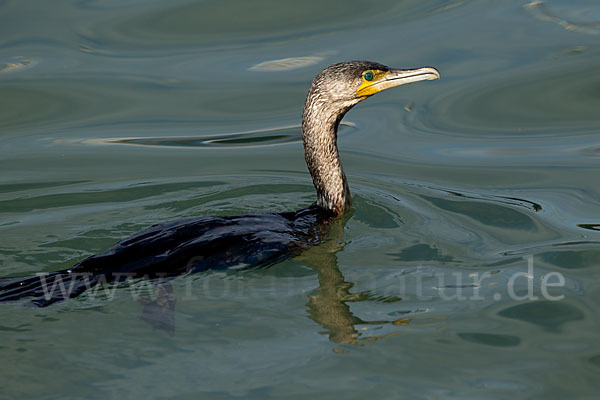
[368, 76]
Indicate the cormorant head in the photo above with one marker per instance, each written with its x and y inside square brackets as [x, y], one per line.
[333, 92]
[347, 83]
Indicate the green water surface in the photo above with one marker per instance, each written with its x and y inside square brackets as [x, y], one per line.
[469, 267]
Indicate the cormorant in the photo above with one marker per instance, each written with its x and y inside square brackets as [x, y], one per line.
[242, 241]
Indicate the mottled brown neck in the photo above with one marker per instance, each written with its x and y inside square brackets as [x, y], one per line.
[320, 122]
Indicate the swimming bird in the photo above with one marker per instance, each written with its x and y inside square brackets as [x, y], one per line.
[243, 241]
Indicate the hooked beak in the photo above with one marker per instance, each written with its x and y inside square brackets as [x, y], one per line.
[397, 77]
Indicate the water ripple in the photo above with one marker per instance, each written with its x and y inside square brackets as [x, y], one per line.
[269, 137]
[578, 21]
[213, 24]
[16, 64]
[537, 100]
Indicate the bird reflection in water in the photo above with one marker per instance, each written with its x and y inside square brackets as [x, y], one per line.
[327, 305]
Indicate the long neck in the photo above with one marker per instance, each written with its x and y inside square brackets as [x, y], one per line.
[320, 122]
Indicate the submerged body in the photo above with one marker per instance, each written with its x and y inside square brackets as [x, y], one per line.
[179, 247]
[243, 241]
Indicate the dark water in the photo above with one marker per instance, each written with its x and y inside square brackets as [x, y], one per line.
[469, 268]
